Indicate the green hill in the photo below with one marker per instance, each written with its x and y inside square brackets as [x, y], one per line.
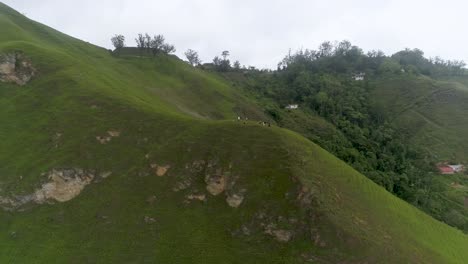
[431, 112]
[431, 115]
[108, 159]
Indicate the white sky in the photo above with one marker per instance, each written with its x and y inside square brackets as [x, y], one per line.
[260, 32]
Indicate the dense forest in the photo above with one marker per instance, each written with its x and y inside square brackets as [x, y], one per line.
[325, 82]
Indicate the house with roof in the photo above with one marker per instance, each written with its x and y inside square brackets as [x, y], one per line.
[292, 106]
[457, 167]
[444, 169]
[359, 76]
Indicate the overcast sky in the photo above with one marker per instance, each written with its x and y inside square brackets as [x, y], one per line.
[260, 32]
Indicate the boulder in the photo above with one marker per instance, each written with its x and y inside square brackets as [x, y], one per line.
[16, 68]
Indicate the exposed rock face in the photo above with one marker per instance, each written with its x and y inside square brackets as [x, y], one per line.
[215, 184]
[281, 235]
[199, 197]
[106, 139]
[8, 203]
[149, 220]
[235, 200]
[106, 174]
[15, 68]
[103, 140]
[182, 185]
[113, 133]
[64, 185]
[160, 170]
[217, 180]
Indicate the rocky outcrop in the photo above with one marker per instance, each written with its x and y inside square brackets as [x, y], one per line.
[63, 185]
[281, 235]
[16, 68]
[235, 199]
[160, 170]
[217, 180]
[107, 138]
[215, 184]
[194, 196]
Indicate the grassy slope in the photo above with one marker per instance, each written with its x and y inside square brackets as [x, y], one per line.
[160, 107]
[432, 113]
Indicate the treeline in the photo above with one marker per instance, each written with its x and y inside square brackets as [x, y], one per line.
[156, 44]
[343, 57]
[322, 81]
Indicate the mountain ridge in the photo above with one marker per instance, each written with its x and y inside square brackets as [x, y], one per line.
[296, 198]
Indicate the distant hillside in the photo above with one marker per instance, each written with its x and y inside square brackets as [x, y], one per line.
[107, 159]
[392, 118]
[431, 112]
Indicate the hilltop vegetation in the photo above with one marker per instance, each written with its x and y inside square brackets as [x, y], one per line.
[161, 171]
[369, 121]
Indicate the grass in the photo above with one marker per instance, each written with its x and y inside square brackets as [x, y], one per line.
[170, 113]
[431, 113]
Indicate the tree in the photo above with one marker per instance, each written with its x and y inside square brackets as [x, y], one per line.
[140, 40]
[118, 41]
[168, 48]
[225, 54]
[147, 41]
[237, 65]
[325, 49]
[157, 43]
[216, 61]
[192, 57]
[222, 64]
[389, 66]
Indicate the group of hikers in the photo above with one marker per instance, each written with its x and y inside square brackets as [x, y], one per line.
[263, 123]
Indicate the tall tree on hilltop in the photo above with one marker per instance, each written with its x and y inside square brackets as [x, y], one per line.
[157, 43]
[237, 65]
[222, 64]
[118, 41]
[168, 48]
[140, 40]
[192, 57]
[225, 54]
[147, 41]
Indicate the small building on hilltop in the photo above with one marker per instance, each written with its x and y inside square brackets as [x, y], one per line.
[292, 106]
[446, 168]
[359, 76]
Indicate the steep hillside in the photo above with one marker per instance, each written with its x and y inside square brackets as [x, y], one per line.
[432, 113]
[108, 159]
[392, 118]
[432, 116]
